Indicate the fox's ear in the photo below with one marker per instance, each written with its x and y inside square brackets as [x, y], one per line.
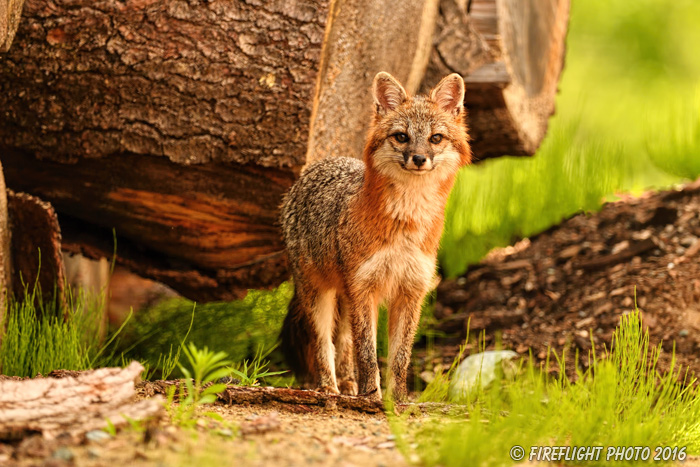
[449, 94]
[388, 93]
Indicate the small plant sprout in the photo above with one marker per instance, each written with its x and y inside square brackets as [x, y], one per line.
[205, 368]
[250, 372]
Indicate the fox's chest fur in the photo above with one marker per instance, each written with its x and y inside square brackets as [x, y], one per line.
[400, 227]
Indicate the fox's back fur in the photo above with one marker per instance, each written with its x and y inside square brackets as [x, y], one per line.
[362, 232]
[310, 220]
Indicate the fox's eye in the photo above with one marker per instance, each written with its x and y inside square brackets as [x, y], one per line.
[401, 137]
[436, 138]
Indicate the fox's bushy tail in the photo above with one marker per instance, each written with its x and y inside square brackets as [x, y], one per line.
[296, 342]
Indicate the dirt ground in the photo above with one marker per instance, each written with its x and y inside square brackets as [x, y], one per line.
[270, 434]
[570, 284]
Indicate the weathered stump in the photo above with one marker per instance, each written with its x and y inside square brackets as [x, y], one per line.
[36, 248]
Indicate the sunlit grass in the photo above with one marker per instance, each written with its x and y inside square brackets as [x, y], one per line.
[38, 336]
[673, 138]
[621, 400]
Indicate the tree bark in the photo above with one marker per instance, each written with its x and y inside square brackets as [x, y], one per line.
[208, 231]
[177, 127]
[73, 405]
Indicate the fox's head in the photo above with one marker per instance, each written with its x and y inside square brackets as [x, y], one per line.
[421, 135]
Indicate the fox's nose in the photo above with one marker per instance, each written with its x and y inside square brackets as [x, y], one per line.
[418, 160]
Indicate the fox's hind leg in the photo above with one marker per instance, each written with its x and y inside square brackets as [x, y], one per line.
[322, 310]
[345, 353]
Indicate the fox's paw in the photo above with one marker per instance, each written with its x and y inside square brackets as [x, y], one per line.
[348, 386]
[328, 389]
[374, 395]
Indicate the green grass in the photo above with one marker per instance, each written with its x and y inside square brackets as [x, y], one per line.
[620, 401]
[37, 339]
[678, 152]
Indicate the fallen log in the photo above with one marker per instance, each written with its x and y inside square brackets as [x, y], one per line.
[180, 125]
[73, 405]
[262, 395]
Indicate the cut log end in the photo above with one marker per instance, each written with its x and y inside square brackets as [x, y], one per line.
[510, 54]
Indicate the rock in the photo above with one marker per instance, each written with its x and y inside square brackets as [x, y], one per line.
[97, 436]
[228, 380]
[481, 369]
[64, 454]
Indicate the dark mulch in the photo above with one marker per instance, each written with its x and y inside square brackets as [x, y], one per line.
[570, 284]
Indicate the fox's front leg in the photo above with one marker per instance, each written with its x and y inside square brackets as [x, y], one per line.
[404, 315]
[364, 331]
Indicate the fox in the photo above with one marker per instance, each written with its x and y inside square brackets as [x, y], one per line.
[359, 233]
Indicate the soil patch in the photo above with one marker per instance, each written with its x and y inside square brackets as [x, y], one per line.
[568, 286]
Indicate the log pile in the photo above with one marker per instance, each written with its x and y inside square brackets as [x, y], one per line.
[179, 125]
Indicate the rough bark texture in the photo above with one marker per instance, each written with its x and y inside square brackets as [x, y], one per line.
[262, 395]
[36, 246]
[195, 82]
[181, 124]
[511, 54]
[10, 13]
[72, 405]
[178, 124]
[5, 258]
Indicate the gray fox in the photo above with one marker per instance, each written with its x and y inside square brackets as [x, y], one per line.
[359, 233]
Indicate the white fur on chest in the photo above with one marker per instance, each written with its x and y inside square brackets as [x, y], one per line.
[414, 201]
[399, 264]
